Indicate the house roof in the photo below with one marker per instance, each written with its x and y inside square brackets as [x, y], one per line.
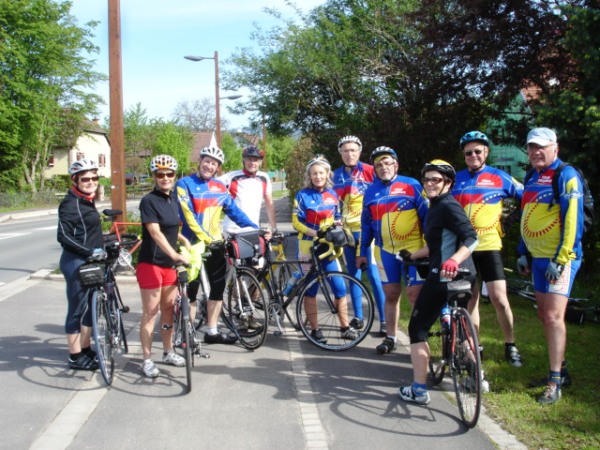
[201, 139]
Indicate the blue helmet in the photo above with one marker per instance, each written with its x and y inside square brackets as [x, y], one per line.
[474, 136]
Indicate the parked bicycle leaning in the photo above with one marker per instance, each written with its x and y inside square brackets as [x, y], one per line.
[449, 241]
[80, 235]
[155, 273]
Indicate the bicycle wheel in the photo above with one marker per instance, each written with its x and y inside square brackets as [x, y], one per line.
[438, 356]
[186, 343]
[466, 367]
[245, 308]
[118, 307]
[283, 275]
[101, 331]
[199, 320]
[326, 311]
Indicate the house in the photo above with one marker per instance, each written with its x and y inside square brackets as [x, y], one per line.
[91, 144]
[202, 139]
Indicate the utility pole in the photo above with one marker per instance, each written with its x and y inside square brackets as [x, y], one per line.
[118, 193]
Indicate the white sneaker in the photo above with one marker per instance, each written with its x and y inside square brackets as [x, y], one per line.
[407, 394]
[173, 359]
[485, 386]
[149, 369]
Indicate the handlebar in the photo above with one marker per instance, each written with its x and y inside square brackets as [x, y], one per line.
[332, 249]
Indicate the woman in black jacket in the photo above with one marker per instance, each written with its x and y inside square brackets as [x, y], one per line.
[80, 235]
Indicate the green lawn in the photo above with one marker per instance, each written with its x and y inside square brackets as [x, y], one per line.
[574, 421]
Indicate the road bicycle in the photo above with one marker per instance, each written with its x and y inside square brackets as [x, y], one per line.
[185, 335]
[131, 241]
[108, 331]
[454, 348]
[317, 282]
[578, 311]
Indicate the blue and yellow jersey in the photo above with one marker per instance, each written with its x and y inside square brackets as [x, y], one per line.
[550, 229]
[482, 194]
[314, 210]
[393, 215]
[350, 185]
[201, 203]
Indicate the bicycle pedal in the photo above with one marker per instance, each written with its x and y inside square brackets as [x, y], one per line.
[125, 309]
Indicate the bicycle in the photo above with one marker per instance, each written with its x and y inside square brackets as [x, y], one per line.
[458, 350]
[185, 336]
[131, 240]
[327, 312]
[107, 306]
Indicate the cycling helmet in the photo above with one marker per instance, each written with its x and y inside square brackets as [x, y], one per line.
[474, 136]
[163, 162]
[213, 152]
[352, 139]
[83, 165]
[441, 166]
[253, 152]
[381, 151]
[318, 159]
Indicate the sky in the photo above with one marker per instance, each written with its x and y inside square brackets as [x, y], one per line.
[157, 34]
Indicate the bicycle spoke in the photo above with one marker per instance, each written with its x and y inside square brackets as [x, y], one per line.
[101, 331]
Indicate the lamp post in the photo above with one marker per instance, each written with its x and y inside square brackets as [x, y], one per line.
[217, 95]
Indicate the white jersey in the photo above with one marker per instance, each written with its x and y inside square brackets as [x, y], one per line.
[248, 191]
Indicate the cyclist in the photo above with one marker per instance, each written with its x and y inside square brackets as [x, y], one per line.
[155, 273]
[80, 235]
[394, 211]
[249, 187]
[450, 240]
[316, 207]
[202, 200]
[481, 190]
[551, 232]
[350, 183]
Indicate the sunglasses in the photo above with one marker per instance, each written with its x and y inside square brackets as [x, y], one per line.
[88, 179]
[383, 164]
[434, 180]
[470, 152]
[161, 175]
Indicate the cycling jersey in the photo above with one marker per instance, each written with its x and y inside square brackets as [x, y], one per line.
[79, 225]
[481, 194]
[393, 215]
[248, 191]
[350, 184]
[549, 229]
[201, 203]
[314, 210]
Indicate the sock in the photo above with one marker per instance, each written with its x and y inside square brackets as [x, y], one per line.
[212, 331]
[393, 338]
[554, 377]
[509, 344]
[563, 369]
[342, 329]
[419, 389]
[74, 356]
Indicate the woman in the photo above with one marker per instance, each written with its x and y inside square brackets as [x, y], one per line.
[80, 235]
[155, 273]
[450, 240]
[317, 207]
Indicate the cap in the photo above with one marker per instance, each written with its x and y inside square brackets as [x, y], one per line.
[541, 136]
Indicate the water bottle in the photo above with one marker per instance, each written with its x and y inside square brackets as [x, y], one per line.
[291, 282]
[445, 317]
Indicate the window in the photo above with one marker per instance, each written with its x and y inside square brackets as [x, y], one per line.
[51, 161]
[102, 160]
[80, 156]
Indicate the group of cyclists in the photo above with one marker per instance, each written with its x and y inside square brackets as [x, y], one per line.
[452, 218]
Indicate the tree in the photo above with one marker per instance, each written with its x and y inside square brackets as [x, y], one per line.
[196, 115]
[171, 139]
[43, 81]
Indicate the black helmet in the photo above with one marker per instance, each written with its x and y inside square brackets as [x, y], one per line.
[380, 151]
[253, 152]
[441, 166]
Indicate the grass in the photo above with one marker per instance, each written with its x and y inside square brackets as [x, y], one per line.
[574, 421]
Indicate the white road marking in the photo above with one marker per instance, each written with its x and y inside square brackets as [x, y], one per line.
[11, 235]
[53, 227]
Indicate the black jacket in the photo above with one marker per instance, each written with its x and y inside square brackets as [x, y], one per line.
[79, 225]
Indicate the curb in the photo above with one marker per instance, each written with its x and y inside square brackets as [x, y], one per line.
[47, 274]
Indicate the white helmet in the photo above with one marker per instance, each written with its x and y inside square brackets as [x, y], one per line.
[83, 165]
[352, 139]
[163, 162]
[213, 152]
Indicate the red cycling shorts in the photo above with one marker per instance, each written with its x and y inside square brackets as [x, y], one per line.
[150, 276]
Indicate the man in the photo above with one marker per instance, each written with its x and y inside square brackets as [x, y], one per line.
[202, 200]
[350, 183]
[551, 232]
[249, 187]
[393, 215]
[481, 190]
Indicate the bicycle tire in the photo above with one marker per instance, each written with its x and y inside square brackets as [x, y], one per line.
[201, 314]
[438, 356]
[283, 275]
[250, 322]
[118, 307]
[186, 343]
[328, 319]
[101, 332]
[466, 367]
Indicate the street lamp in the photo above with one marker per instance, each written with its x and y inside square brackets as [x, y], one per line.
[217, 96]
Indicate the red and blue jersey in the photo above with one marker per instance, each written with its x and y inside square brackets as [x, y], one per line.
[394, 214]
[553, 229]
[350, 185]
[481, 194]
[314, 210]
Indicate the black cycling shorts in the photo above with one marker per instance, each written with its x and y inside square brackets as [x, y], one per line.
[489, 265]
